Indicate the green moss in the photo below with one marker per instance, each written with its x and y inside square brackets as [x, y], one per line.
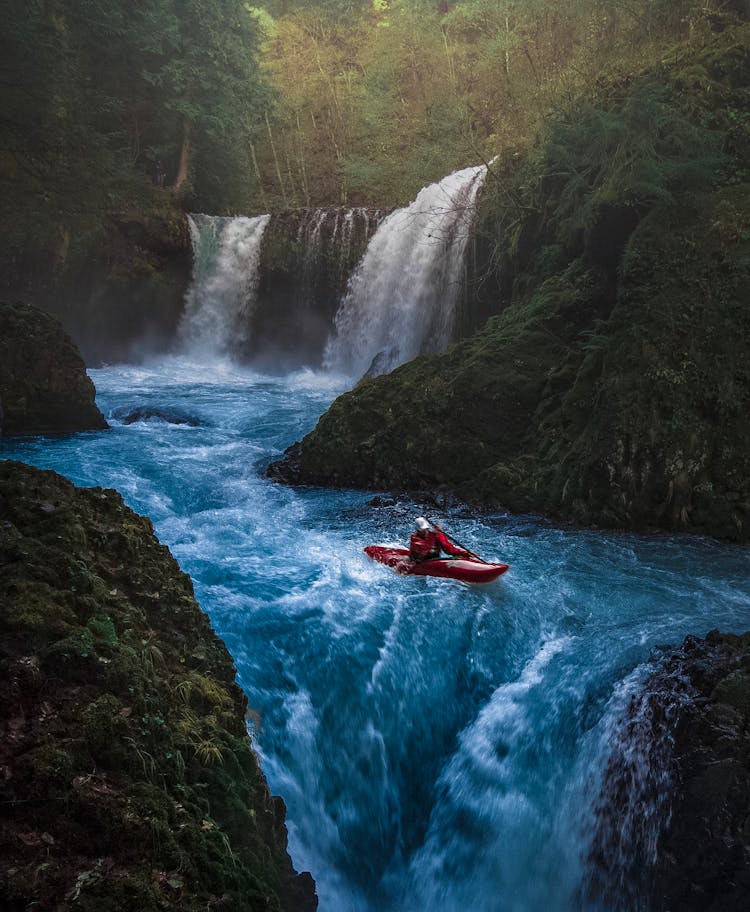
[48, 770]
[103, 630]
[96, 890]
[103, 726]
[138, 766]
[36, 608]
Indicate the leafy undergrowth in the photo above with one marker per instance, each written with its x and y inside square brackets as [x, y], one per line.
[612, 384]
[128, 778]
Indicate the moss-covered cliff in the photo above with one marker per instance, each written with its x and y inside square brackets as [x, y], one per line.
[612, 385]
[128, 778]
[44, 388]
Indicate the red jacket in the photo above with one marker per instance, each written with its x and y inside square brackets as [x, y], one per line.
[428, 546]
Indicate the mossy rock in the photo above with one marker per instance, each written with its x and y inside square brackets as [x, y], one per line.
[44, 388]
[130, 776]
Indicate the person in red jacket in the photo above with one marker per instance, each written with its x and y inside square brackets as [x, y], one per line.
[427, 543]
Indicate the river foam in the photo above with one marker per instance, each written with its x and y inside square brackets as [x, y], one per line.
[438, 746]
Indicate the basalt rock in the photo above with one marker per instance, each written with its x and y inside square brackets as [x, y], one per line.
[307, 257]
[150, 413]
[127, 776]
[674, 812]
[44, 388]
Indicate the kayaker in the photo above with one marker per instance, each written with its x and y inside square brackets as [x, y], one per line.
[426, 543]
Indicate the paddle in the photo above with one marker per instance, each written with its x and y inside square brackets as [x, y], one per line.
[456, 541]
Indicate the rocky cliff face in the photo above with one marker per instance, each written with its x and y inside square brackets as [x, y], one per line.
[115, 277]
[127, 777]
[612, 385]
[674, 814]
[307, 257]
[44, 388]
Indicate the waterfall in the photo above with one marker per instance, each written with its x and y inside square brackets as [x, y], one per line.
[222, 296]
[308, 255]
[265, 289]
[307, 303]
[635, 803]
[401, 299]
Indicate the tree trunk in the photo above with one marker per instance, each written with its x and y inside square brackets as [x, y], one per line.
[182, 170]
[259, 176]
[276, 162]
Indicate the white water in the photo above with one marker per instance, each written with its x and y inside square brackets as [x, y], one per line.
[402, 297]
[400, 301]
[440, 747]
[225, 311]
[220, 303]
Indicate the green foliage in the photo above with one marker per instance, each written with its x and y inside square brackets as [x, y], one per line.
[636, 154]
[374, 105]
[95, 94]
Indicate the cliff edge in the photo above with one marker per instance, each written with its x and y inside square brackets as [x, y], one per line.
[127, 776]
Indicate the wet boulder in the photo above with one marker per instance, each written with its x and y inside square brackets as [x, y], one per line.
[130, 415]
[44, 387]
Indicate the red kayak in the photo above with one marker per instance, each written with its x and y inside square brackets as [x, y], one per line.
[466, 570]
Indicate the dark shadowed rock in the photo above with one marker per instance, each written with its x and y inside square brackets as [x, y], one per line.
[287, 469]
[44, 387]
[129, 415]
[380, 501]
[674, 813]
[128, 779]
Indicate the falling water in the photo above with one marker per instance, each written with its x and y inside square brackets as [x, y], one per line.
[274, 309]
[634, 804]
[401, 300]
[222, 297]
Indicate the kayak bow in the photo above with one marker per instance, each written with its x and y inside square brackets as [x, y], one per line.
[465, 570]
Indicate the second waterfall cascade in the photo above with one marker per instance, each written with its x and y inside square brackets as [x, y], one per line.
[219, 303]
[401, 301]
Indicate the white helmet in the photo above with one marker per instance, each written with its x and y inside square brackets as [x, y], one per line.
[421, 523]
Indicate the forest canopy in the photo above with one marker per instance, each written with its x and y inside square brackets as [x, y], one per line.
[274, 104]
[374, 99]
[98, 91]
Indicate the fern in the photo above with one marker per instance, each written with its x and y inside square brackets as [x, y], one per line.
[642, 153]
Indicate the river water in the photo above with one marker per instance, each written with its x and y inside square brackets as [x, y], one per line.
[439, 747]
